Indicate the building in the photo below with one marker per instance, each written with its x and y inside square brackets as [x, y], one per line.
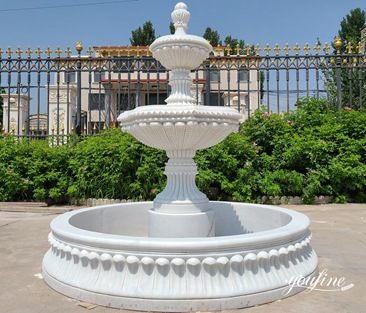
[118, 78]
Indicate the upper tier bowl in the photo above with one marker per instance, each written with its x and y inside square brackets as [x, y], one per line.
[180, 128]
[180, 51]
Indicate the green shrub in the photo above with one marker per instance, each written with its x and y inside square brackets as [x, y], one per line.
[33, 170]
[311, 151]
[115, 165]
[225, 167]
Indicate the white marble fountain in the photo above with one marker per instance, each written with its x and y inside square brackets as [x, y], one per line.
[181, 252]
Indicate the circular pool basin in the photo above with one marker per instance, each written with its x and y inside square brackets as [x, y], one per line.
[103, 255]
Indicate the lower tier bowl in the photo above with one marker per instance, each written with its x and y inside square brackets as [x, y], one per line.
[103, 255]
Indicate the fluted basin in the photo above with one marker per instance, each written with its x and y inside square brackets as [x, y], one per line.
[185, 128]
[103, 255]
[180, 51]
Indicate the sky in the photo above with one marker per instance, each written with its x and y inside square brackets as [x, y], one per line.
[110, 22]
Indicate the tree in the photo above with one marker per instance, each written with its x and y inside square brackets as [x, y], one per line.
[352, 78]
[144, 36]
[171, 28]
[212, 36]
[233, 42]
[351, 27]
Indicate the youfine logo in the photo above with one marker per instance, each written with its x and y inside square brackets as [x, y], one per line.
[322, 282]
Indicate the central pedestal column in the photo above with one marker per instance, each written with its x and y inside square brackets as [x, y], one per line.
[181, 210]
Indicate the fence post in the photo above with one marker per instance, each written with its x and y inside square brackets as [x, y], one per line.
[107, 108]
[78, 126]
[338, 45]
[208, 82]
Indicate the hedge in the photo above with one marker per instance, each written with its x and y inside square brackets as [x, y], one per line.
[311, 151]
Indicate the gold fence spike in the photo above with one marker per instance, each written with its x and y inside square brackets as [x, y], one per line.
[359, 47]
[43, 128]
[137, 51]
[147, 51]
[326, 48]
[104, 126]
[53, 129]
[68, 52]
[128, 51]
[39, 52]
[307, 49]
[316, 49]
[29, 52]
[218, 50]
[19, 52]
[23, 129]
[62, 128]
[277, 49]
[297, 48]
[58, 52]
[48, 52]
[238, 50]
[257, 49]
[349, 48]
[119, 51]
[72, 128]
[89, 52]
[228, 50]
[33, 129]
[267, 49]
[1, 53]
[85, 129]
[287, 49]
[247, 50]
[95, 127]
[12, 128]
[9, 52]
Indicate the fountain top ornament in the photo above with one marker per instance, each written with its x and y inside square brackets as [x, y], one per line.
[180, 50]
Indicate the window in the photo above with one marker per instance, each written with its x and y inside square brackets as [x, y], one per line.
[126, 102]
[243, 75]
[214, 74]
[215, 98]
[247, 102]
[96, 101]
[153, 98]
[99, 75]
[70, 76]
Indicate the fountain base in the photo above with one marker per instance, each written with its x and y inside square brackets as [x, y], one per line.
[181, 225]
[103, 255]
[173, 305]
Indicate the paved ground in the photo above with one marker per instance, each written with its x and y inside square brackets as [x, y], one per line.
[339, 238]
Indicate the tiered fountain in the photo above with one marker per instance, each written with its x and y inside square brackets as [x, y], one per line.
[181, 252]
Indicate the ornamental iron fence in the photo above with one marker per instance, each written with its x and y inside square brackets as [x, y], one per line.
[55, 93]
